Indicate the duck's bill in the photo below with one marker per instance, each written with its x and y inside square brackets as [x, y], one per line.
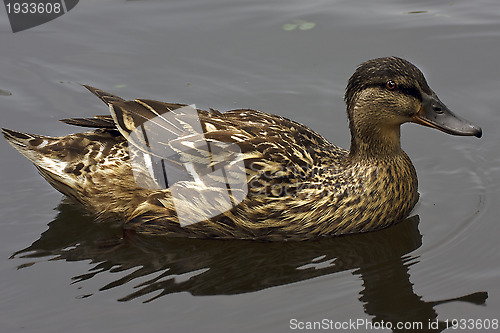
[437, 115]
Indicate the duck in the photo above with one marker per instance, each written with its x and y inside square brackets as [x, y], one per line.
[172, 170]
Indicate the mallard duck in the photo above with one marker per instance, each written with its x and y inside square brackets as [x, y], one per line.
[173, 170]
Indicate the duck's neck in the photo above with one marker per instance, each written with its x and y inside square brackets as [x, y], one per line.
[371, 140]
[370, 145]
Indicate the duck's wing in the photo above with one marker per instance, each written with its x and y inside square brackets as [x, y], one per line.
[104, 96]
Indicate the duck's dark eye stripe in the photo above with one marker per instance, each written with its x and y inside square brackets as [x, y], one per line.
[412, 91]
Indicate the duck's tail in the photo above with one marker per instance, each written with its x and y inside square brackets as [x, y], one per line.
[48, 156]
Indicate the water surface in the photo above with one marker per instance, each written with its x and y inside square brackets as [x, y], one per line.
[61, 272]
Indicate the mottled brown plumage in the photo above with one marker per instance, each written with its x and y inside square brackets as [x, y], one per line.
[299, 185]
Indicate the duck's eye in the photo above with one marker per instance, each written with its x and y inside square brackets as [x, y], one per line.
[391, 85]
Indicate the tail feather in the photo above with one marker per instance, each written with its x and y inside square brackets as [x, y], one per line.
[26, 143]
[95, 122]
[49, 162]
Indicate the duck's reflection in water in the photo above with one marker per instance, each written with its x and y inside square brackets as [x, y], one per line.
[157, 267]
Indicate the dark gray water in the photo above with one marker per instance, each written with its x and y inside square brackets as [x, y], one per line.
[62, 273]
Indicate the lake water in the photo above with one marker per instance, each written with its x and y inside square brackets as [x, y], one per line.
[62, 273]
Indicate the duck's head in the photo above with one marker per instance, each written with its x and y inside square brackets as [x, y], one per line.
[384, 93]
